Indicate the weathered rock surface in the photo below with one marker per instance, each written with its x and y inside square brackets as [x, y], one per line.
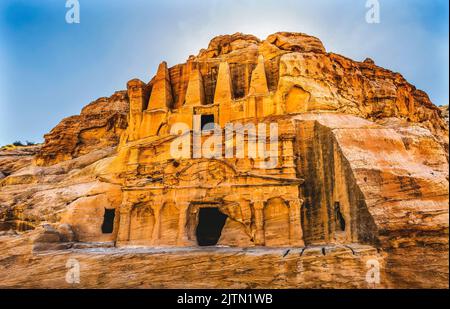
[98, 126]
[362, 174]
[444, 110]
[34, 194]
[14, 159]
[311, 267]
[395, 176]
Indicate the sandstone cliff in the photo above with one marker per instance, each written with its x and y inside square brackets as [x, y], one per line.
[98, 126]
[371, 148]
[329, 83]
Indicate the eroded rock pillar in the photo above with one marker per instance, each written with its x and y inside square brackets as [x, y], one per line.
[157, 207]
[259, 223]
[295, 225]
[182, 238]
[192, 222]
[123, 234]
[287, 142]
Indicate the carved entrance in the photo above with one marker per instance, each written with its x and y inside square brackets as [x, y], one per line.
[205, 223]
[209, 227]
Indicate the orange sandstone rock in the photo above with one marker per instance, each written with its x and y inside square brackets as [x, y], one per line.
[360, 173]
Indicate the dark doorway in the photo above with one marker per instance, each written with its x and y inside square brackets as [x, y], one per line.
[207, 122]
[108, 221]
[210, 225]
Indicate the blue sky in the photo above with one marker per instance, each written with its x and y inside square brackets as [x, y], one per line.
[50, 69]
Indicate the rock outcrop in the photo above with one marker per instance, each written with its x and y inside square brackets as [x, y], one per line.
[360, 173]
[98, 126]
[12, 160]
[444, 110]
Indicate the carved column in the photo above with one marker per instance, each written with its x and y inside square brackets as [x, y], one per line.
[123, 233]
[157, 227]
[182, 238]
[193, 219]
[287, 142]
[259, 223]
[295, 224]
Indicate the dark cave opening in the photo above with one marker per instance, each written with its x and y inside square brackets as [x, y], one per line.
[108, 221]
[210, 224]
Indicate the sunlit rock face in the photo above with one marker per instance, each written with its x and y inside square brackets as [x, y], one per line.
[358, 172]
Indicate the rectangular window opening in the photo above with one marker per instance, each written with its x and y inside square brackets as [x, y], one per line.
[207, 122]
